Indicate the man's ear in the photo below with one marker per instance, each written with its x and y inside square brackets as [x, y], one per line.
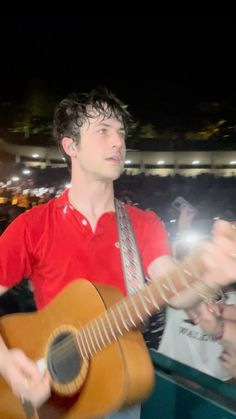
[69, 146]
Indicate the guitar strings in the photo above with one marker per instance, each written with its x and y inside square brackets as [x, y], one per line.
[59, 349]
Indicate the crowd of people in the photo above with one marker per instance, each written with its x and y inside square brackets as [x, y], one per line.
[211, 195]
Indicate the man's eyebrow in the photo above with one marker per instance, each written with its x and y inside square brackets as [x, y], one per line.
[106, 124]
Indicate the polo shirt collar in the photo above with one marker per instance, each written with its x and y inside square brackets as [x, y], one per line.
[63, 199]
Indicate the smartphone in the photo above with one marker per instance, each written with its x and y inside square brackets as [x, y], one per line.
[179, 203]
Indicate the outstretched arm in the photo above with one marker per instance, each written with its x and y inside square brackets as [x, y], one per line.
[219, 259]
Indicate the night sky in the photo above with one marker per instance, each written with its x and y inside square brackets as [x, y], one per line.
[162, 69]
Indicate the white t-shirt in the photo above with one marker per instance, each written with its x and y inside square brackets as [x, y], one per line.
[188, 343]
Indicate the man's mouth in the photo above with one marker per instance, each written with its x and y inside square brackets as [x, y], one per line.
[114, 159]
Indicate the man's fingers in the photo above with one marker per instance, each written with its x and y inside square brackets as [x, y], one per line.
[224, 228]
[39, 392]
[28, 367]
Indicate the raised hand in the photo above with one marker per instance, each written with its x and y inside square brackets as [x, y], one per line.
[219, 254]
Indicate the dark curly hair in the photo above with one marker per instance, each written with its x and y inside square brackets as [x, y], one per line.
[73, 111]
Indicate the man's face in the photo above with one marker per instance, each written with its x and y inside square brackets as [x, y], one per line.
[101, 149]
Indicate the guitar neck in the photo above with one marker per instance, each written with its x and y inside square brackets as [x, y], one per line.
[132, 311]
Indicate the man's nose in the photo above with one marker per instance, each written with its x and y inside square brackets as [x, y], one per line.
[117, 139]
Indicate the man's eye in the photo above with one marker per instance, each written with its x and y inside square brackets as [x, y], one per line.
[102, 131]
[122, 134]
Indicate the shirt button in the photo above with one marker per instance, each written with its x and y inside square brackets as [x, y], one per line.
[84, 222]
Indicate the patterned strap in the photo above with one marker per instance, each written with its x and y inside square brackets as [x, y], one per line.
[132, 267]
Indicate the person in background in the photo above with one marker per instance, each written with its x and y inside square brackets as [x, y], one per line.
[76, 235]
[219, 322]
[184, 340]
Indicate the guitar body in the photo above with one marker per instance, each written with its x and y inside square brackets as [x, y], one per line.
[120, 374]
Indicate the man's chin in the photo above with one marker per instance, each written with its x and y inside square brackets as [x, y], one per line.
[119, 173]
[115, 174]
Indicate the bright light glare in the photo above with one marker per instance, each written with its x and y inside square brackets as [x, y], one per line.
[195, 161]
[128, 161]
[190, 237]
[26, 172]
[35, 156]
[15, 178]
[41, 191]
[160, 162]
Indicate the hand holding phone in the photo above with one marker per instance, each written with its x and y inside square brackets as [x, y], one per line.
[180, 203]
[187, 211]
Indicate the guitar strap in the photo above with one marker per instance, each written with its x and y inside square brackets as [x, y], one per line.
[134, 276]
[131, 262]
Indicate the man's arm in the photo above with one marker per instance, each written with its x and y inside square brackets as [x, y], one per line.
[160, 267]
[219, 259]
[22, 374]
[3, 289]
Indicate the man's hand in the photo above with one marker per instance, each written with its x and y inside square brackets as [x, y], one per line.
[219, 255]
[185, 218]
[24, 377]
[219, 259]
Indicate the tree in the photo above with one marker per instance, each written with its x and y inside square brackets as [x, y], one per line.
[34, 116]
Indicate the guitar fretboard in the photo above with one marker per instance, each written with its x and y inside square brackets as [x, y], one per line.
[132, 311]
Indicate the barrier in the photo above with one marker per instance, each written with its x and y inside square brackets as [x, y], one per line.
[183, 392]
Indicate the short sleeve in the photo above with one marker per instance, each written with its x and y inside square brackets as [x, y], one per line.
[15, 253]
[154, 241]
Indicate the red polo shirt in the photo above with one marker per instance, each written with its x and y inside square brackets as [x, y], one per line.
[54, 244]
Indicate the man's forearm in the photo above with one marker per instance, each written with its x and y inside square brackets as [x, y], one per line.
[3, 289]
[201, 290]
[3, 346]
[3, 350]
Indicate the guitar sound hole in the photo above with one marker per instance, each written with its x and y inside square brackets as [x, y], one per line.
[64, 362]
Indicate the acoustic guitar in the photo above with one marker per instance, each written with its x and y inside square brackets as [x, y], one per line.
[89, 341]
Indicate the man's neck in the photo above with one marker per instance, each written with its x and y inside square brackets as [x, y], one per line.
[92, 200]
